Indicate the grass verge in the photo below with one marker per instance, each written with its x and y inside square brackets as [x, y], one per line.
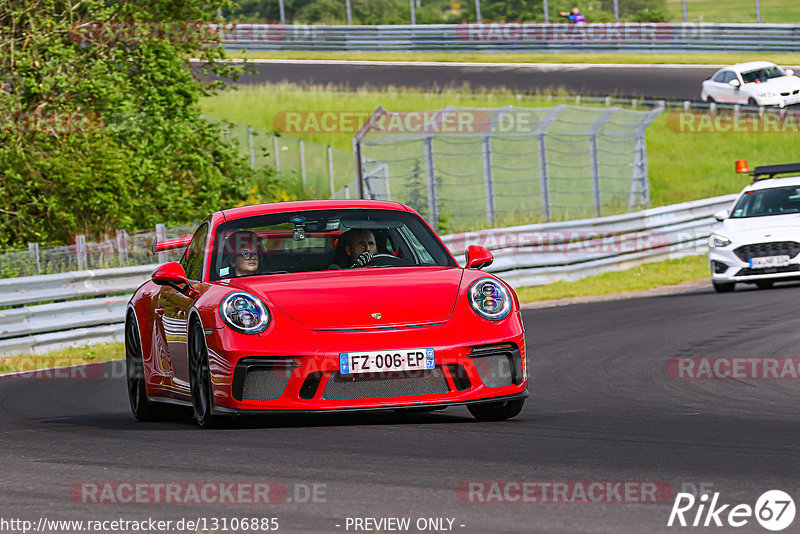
[642, 277]
[102, 352]
[715, 58]
[682, 166]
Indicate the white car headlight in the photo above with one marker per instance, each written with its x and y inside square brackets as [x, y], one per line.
[716, 240]
[244, 313]
[490, 299]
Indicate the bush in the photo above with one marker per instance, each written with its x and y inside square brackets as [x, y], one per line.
[102, 130]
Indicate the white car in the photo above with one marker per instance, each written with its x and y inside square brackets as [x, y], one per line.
[757, 83]
[759, 240]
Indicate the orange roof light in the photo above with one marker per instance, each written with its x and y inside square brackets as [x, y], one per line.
[741, 166]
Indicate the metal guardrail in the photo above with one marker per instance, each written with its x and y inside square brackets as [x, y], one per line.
[524, 255]
[519, 36]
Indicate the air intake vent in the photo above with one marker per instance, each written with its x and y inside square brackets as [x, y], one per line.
[261, 379]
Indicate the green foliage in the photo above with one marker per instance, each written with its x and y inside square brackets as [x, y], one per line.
[334, 11]
[101, 130]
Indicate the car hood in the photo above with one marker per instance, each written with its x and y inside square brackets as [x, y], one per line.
[763, 229]
[360, 298]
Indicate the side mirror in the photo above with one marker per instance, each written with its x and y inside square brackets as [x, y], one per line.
[721, 215]
[789, 72]
[172, 274]
[478, 257]
[734, 83]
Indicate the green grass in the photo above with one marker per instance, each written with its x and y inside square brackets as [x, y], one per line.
[773, 11]
[645, 276]
[682, 166]
[62, 358]
[716, 58]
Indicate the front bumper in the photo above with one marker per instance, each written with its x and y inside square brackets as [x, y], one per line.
[726, 266]
[472, 368]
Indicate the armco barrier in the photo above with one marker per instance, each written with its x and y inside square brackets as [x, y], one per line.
[524, 255]
[519, 36]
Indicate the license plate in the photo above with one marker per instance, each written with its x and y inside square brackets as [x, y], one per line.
[382, 361]
[769, 261]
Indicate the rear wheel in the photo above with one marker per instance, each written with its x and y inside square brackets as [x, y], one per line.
[200, 379]
[724, 287]
[141, 406]
[496, 411]
[765, 284]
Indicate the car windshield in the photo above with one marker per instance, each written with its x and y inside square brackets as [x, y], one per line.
[762, 74]
[322, 240]
[764, 202]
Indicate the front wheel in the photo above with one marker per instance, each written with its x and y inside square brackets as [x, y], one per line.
[496, 411]
[724, 287]
[142, 408]
[200, 379]
[752, 102]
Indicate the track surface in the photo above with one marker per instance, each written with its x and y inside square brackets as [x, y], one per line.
[602, 408]
[650, 81]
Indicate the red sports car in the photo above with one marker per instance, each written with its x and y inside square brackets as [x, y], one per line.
[320, 306]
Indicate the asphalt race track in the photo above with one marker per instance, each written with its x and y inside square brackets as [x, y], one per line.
[602, 408]
[669, 82]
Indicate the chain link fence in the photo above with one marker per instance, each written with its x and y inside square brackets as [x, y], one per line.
[462, 168]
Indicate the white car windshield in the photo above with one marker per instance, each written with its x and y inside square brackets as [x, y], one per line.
[765, 202]
[762, 74]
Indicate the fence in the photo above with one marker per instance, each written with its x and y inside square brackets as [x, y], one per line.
[524, 255]
[319, 171]
[463, 167]
[520, 36]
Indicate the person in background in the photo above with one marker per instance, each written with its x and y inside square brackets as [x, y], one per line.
[576, 17]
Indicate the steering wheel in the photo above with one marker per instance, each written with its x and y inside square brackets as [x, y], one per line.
[384, 260]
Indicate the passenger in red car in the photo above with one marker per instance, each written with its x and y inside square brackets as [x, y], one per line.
[242, 251]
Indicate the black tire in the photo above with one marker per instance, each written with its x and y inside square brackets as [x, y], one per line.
[200, 379]
[765, 284]
[724, 287]
[142, 408]
[710, 100]
[752, 102]
[496, 411]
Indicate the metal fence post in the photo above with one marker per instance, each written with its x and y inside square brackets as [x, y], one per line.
[478, 11]
[122, 246]
[80, 244]
[594, 158]
[541, 132]
[758, 11]
[488, 181]
[161, 235]
[277, 149]
[413, 13]
[433, 204]
[546, 12]
[330, 170]
[34, 250]
[303, 163]
[350, 13]
[252, 147]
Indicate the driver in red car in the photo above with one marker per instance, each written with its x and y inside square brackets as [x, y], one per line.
[242, 254]
[356, 248]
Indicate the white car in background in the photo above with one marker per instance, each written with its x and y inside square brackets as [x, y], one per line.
[758, 242]
[756, 83]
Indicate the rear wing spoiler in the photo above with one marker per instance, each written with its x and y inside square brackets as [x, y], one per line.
[170, 244]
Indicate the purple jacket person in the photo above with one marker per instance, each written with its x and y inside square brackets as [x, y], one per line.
[576, 17]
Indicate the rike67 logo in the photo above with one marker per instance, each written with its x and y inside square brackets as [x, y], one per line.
[774, 510]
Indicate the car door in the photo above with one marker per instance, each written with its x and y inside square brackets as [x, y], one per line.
[728, 93]
[173, 311]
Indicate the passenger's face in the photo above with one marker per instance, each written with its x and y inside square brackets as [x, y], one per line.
[244, 266]
[362, 242]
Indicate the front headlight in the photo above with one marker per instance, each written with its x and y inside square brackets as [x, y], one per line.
[716, 240]
[244, 313]
[490, 299]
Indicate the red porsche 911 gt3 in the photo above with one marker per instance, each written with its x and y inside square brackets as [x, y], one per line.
[320, 306]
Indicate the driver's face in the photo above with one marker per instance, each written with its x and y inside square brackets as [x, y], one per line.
[362, 242]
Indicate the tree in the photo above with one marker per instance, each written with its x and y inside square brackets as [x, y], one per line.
[99, 123]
